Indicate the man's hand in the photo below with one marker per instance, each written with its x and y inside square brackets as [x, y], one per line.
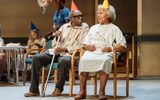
[59, 50]
[106, 49]
[57, 33]
[90, 47]
[49, 34]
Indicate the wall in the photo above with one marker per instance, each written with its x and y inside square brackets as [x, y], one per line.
[15, 16]
[126, 11]
[150, 59]
[150, 43]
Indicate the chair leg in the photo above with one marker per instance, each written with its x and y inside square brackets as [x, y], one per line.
[95, 85]
[25, 75]
[55, 76]
[127, 87]
[73, 78]
[43, 79]
[115, 85]
[115, 88]
[70, 83]
[127, 76]
[127, 84]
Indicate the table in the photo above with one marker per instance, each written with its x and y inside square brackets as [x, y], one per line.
[14, 52]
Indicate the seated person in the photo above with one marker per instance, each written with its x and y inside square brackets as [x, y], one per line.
[99, 44]
[35, 39]
[3, 63]
[71, 36]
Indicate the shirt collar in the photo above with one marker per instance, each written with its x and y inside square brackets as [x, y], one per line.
[69, 25]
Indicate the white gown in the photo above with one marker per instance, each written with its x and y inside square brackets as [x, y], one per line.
[101, 36]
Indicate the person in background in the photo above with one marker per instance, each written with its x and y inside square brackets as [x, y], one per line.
[35, 39]
[71, 35]
[59, 18]
[3, 62]
[99, 44]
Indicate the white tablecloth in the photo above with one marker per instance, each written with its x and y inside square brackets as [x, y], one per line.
[13, 52]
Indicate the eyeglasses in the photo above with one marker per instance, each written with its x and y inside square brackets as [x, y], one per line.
[77, 16]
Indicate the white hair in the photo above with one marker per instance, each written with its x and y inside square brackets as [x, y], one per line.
[110, 12]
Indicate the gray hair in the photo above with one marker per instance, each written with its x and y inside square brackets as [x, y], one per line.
[110, 12]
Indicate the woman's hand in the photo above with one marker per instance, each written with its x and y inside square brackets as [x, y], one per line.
[106, 49]
[90, 47]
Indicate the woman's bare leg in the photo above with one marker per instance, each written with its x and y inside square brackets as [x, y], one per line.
[103, 80]
[83, 80]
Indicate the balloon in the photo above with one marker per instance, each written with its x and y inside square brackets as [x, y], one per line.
[44, 4]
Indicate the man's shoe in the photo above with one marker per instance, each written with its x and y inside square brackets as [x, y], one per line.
[56, 92]
[3, 78]
[30, 94]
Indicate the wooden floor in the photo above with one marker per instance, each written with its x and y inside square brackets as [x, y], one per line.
[6, 84]
[139, 90]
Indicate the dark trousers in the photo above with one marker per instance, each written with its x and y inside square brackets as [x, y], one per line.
[3, 63]
[63, 68]
[44, 59]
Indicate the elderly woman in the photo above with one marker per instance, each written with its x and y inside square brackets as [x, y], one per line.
[99, 44]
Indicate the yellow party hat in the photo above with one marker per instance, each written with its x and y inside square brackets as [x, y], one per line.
[105, 4]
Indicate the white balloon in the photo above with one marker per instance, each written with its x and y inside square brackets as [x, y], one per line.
[44, 4]
[41, 3]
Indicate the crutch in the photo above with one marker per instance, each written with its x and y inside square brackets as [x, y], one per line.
[43, 94]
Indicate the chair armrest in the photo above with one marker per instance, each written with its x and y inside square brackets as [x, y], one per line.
[122, 51]
[43, 50]
[73, 57]
[75, 52]
[30, 50]
[126, 59]
[37, 49]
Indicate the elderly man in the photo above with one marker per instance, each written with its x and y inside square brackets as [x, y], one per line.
[71, 35]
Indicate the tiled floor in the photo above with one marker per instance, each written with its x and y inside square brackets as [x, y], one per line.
[139, 90]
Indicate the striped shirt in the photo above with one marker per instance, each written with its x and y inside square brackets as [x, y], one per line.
[72, 37]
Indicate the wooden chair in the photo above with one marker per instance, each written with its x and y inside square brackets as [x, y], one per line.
[77, 54]
[119, 64]
[28, 61]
